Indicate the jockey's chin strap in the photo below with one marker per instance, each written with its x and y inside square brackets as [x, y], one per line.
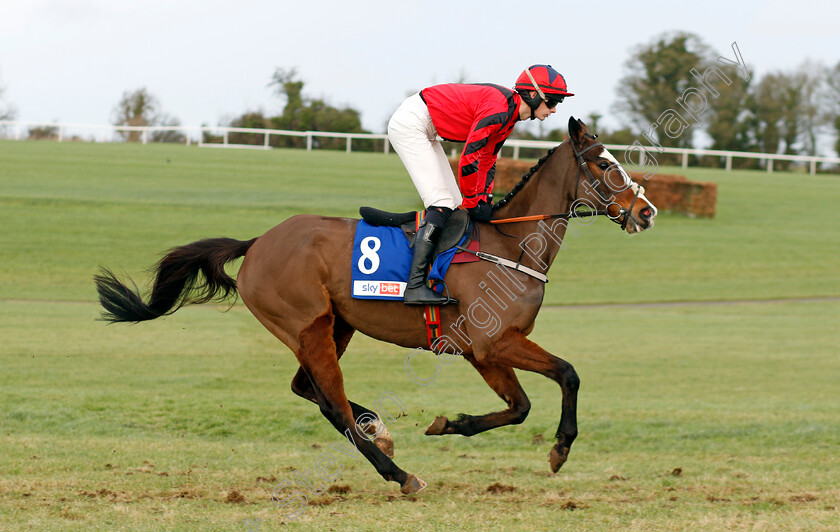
[623, 214]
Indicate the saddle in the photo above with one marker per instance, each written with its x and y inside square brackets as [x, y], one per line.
[458, 225]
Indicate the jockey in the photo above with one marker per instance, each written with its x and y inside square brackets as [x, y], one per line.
[481, 116]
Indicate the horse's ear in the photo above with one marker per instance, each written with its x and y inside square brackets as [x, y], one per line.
[577, 129]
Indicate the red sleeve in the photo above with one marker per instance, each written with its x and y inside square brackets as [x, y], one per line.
[476, 168]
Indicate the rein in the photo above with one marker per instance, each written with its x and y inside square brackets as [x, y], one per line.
[537, 217]
[623, 215]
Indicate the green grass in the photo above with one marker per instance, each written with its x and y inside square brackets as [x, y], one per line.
[69, 208]
[713, 417]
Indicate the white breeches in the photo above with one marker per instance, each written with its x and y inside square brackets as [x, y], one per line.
[413, 136]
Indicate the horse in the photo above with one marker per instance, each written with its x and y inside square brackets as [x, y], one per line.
[295, 279]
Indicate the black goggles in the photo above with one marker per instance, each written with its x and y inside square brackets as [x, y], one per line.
[552, 102]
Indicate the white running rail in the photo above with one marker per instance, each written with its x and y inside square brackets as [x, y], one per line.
[106, 133]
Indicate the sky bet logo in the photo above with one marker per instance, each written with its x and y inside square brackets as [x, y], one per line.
[378, 288]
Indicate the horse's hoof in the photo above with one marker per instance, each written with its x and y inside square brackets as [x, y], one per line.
[557, 458]
[382, 438]
[437, 426]
[413, 484]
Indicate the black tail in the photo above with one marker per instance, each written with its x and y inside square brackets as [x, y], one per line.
[177, 282]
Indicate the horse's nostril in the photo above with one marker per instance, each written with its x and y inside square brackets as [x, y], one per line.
[645, 212]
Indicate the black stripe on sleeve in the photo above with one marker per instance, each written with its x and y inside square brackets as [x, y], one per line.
[475, 146]
[484, 194]
[469, 169]
[491, 174]
[498, 118]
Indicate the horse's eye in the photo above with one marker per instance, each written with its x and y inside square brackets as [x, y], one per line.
[603, 166]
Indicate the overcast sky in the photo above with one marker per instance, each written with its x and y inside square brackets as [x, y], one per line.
[210, 60]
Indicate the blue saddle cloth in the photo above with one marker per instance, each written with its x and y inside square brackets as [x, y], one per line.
[382, 260]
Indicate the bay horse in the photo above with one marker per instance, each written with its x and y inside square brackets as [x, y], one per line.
[295, 279]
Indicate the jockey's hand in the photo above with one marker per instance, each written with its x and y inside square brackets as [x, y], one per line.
[482, 212]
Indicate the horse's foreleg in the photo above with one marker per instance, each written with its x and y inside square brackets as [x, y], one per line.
[504, 382]
[317, 357]
[515, 350]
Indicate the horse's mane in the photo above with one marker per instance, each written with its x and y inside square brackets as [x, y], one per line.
[515, 190]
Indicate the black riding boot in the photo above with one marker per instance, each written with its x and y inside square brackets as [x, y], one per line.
[416, 291]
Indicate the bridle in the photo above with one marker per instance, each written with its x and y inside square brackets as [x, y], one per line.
[623, 214]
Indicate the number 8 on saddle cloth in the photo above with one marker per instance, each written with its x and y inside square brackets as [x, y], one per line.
[382, 259]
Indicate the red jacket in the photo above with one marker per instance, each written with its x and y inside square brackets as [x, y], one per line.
[482, 116]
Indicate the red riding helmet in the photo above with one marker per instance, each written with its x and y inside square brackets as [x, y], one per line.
[549, 84]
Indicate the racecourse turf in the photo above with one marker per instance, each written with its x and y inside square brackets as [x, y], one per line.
[714, 409]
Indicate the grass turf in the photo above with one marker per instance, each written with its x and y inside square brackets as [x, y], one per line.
[69, 208]
[710, 416]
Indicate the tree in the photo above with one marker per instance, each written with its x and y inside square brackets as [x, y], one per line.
[769, 93]
[137, 108]
[141, 108]
[253, 120]
[7, 111]
[287, 86]
[790, 105]
[303, 114]
[657, 74]
[809, 78]
[168, 135]
[831, 99]
[592, 121]
[787, 110]
[732, 120]
[43, 133]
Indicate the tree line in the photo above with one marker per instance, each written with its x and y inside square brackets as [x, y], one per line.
[784, 112]
[300, 113]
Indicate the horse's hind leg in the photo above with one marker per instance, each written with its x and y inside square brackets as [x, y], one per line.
[318, 358]
[503, 381]
[515, 350]
[371, 424]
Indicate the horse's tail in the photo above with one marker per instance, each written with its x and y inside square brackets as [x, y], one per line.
[177, 282]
